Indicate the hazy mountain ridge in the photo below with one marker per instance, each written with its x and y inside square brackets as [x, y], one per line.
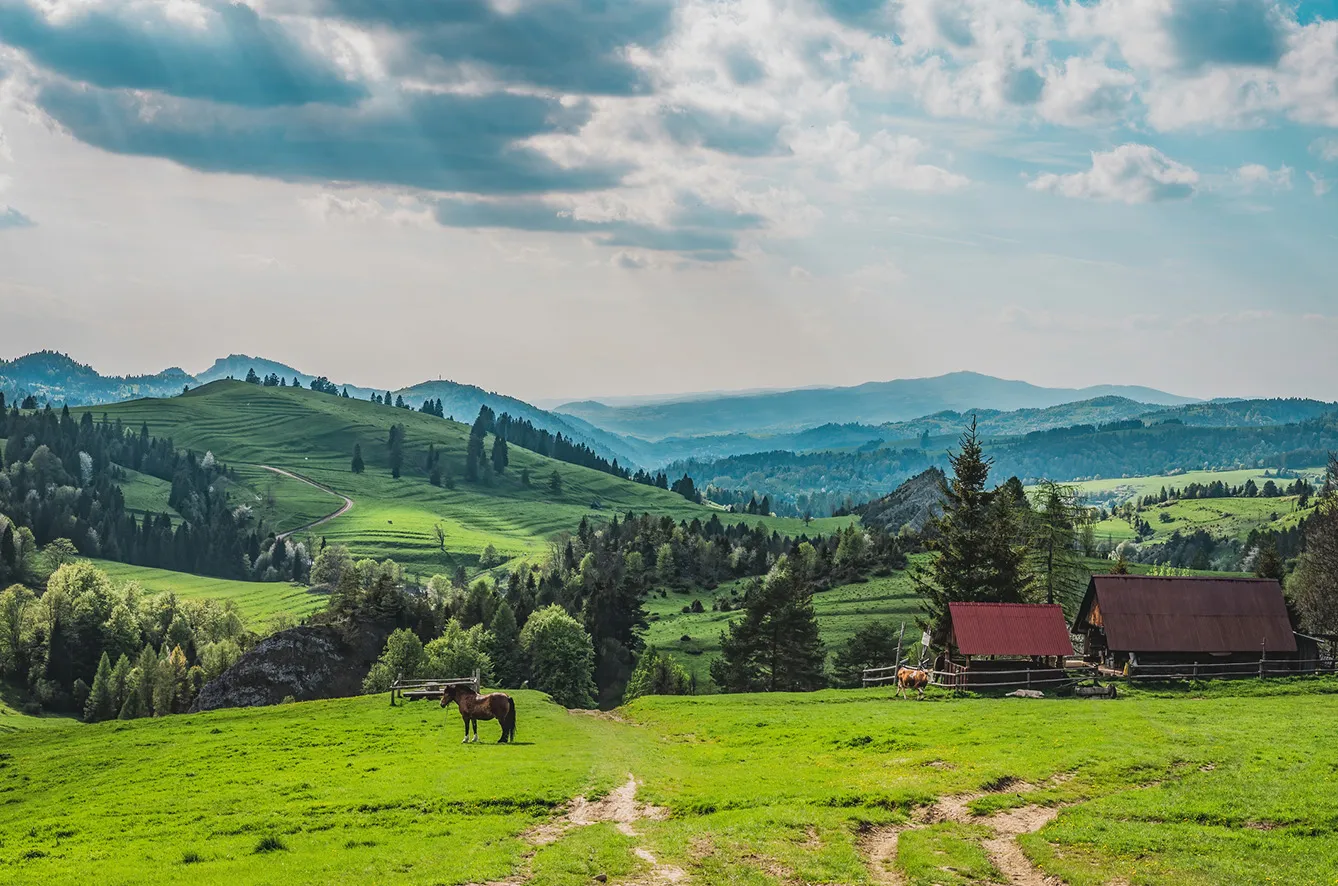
[872, 403]
[57, 378]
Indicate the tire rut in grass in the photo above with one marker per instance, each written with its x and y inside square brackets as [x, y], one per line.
[619, 807]
[880, 846]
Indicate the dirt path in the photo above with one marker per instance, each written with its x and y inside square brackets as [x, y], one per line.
[619, 807]
[347, 506]
[880, 846]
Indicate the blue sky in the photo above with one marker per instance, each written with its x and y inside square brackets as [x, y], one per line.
[582, 197]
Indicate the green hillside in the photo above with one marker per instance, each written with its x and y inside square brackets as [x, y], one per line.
[826, 788]
[313, 435]
[259, 603]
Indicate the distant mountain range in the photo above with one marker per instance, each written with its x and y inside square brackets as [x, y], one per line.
[59, 379]
[874, 403]
[715, 426]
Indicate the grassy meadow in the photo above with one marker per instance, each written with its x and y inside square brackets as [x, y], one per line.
[313, 435]
[1190, 787]
[260, 603]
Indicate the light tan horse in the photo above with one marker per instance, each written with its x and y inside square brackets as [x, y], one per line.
[911, 678]
[474, 707]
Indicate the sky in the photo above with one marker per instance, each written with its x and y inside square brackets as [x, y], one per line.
[570, 198]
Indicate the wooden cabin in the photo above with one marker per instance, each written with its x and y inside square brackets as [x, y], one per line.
[1207, 626]
[1006, 644]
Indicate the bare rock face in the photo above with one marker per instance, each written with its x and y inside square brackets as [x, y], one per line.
[307, 662]
[912, 504]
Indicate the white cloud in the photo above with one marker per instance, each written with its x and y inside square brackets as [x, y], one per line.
[1325, 149]
[1084, 91]
[1319, 184]
[1253, 175]
[882, 159]
[402, 210]
[1131, 173]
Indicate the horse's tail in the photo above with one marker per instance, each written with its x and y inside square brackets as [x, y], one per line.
[511, 720]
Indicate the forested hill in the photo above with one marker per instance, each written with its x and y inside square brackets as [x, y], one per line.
[56, 378]
[59, 380]
[871, 403]
[818, 480]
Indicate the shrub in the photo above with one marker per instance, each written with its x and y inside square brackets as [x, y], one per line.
[190, 856]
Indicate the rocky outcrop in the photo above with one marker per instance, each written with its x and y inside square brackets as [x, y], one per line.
[912, 504]
[304, 663]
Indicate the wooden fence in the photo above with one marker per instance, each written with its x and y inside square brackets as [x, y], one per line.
[416, 689]
[958, 678]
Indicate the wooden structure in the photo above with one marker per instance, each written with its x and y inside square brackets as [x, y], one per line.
[1005, 645]
[1186, 626]
[412, 690]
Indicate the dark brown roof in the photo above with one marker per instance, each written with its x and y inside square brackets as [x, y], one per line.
[1142, 613]
[1009, 629]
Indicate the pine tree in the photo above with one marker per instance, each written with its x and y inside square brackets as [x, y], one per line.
[974, 540]
[508, 658]
[775, 647]
[499, 457]
[120, 677]
[358, 465]
[101, 704]
[1267, 563]
[555, 482]
[1055, 565]
[251, 377]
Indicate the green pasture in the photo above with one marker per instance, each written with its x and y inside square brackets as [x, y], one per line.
[841, 611]
[1232, 518]
[313, 435]
[1188, 787]
[259, 603]
[284, 503]
[145, 493]
[1125, 489]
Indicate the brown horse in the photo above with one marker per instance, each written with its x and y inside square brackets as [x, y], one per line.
[474, 707]
[911, 678]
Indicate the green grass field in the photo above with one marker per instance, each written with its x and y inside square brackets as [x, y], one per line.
[1124, 489]
[1221, 517]
[259, 603]
[1185, 788]
[313, 435]
[841, 611]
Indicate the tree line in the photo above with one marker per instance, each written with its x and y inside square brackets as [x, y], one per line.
[61, 480]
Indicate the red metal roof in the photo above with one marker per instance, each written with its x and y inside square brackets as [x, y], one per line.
[1142, 613]
[1009, 629]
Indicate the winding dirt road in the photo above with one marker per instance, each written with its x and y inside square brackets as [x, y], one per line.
[347, 506]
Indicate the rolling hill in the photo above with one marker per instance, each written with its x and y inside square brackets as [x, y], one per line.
[312, 435]
[870, 403]
[54, 377]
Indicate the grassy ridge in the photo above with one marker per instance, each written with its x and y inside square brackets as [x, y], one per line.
[313, 435]
[259, 602]
[761, 789]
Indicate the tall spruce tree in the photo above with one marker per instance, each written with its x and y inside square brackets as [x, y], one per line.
[1055, 562]
[358, 465]
[974, 542]
[499, 456]
[775, 647]
[508, 658]
[101, 704]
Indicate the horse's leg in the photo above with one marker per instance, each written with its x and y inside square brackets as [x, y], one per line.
[466, 719]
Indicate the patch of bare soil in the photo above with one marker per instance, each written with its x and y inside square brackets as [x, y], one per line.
[880, 845]
[621, 808]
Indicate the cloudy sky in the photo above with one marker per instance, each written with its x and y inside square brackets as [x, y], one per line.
[593, 197]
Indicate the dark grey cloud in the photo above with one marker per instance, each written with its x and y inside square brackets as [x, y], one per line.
[444, 142]
[697, 230]
[238, 57]
[12, 218]
[1227, 32]
[576, 46]
[727, 133]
